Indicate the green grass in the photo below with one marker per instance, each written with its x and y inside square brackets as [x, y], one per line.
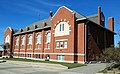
[69, 65]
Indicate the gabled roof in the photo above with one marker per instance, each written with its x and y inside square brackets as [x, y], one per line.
[48, 22]
[78, 16]
[38, 24]
[93, 18]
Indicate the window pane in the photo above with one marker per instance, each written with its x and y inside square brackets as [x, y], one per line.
[61, 44]
[22, 40]
[37, 56]
[62, 57]
[48, 45]
[65, 44]
[30, 40]
[62, 27]
[48, 37]
[16, 41]
[57, 44]
[38, 39]
[58, 57]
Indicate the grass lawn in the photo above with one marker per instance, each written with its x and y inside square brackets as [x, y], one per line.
[69, 65]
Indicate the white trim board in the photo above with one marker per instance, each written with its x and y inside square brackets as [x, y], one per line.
[52, 53]
[52, 60]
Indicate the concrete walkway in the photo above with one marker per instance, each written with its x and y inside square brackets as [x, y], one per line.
[18, 67]
[89, 69]
[36, 64]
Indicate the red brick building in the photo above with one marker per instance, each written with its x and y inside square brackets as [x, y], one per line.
[67, 36]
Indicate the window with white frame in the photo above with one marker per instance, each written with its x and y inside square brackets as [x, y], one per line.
[30, 39]
[17, 42]
[23, 40]
[48, 37]
[37, 55]
[61, 44]
[60, 57]
[38, 39]
[29, 55]
[21, 55]
[7, 39]
[65, 44]
[57, 44]
[62, 29]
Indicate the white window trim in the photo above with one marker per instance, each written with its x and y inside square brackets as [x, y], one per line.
[61, 44]
[39, 42]
[57, 45]
[48, 37]
[7, 39]
[17, 41]
[61, 57]
[66, 45]
[30, 40]
[63, 40]
[23, 40]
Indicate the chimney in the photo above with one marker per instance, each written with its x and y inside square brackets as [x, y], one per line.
[99, 14]
[111, 23]
[50, 14]
[35, 26]
[44, 24]
[21, 30]
[27, 28]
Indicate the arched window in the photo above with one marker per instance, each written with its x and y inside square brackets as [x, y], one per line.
[48, 37]
[17, 41]
[23, 40]
[30, 39]
[38, 39]
[62, 29]
[7, 39]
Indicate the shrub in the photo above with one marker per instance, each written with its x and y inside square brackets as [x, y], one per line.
[109, 68]
[116, 66]
[119, 68]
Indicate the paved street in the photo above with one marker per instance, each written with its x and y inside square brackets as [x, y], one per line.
[19, 68]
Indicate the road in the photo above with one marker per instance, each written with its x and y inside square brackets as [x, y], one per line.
[15, 68]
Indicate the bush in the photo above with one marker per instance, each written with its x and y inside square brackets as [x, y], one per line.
[109, 68]
[119, 68]
[112, 54]
[116, 66]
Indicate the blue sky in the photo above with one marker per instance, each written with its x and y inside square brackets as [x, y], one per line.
[20, 13]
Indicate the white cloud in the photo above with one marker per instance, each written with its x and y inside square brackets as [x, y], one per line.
[26, 8]
[30, 8]
[48, 3]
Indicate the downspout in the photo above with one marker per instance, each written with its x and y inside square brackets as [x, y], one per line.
[86, 33]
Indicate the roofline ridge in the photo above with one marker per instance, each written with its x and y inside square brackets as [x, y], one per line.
[59, 9]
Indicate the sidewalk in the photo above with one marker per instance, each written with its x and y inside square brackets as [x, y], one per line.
[35, 64]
